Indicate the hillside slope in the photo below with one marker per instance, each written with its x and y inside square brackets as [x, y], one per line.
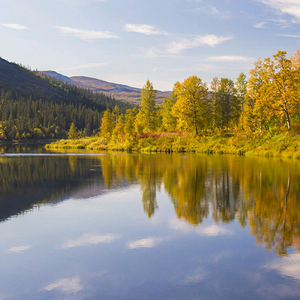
[57, 76]
[36, 106]
[19, 78]
[118, 91]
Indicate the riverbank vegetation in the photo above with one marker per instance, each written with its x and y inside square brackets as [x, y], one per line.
[260, 116]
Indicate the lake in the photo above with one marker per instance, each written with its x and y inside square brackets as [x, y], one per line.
[148, 226]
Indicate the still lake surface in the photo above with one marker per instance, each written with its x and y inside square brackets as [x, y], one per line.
[141, 226]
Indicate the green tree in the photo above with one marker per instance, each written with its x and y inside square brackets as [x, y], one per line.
[147, 110]
[73, 134]
[129, 123]
[107, 124]
[241, 86]
[214, 86]
[169, 121]
[116, 113]
[226, 104]
[119, 130]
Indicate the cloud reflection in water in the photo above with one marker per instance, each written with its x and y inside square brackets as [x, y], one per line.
[91, 239]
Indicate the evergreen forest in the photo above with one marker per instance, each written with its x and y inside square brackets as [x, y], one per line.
[34, 106]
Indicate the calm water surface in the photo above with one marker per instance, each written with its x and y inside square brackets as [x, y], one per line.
[139, 226]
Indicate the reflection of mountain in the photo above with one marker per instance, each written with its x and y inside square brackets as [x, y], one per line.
[264, 195]
[29, 181]
[95, 188]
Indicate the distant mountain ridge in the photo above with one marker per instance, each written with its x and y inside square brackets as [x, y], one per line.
[118, 91]
[57, 76]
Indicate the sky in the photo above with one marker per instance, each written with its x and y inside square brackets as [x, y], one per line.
[130, 41]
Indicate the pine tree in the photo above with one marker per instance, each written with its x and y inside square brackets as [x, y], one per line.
[107, 124]
[73, 134]
[147, 109]
[129, 123]
[169, 121]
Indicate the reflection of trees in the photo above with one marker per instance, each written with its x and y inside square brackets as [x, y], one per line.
[150, 176]
[270, 202]
[188, 191]
[259, 192]
[255, 191]
[274, 219]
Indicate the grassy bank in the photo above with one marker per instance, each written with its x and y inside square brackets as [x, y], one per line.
[286, 144]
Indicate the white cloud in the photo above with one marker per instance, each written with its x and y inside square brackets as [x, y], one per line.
[90, 239]
[143, 28]
[149, 242]
[14, 26]
[81, 2]
[211, 10]
[210, 40]
[230, 58]
[260, 25]
[66, 285]
[180, 225]
[290, 7]
[213, 230]
[18, 249]
[86, 34]
[291, 35]
[210, 230]
[154, 52]
[195, 277]
[281, 22]
[287, 266]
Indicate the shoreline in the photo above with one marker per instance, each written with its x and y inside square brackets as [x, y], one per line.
[25, 142]
[283, 145]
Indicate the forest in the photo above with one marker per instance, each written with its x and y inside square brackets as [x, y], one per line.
[268, 101]
[227, 116]
[34, 106]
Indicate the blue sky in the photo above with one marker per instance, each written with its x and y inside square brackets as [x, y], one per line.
[130, 41]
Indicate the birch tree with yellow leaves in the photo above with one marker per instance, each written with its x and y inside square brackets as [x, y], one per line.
[273, 90]
[192, 107]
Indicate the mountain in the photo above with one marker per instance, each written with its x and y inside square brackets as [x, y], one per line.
[57, 76]
[18, 79]
[37, 106]
[118, 91]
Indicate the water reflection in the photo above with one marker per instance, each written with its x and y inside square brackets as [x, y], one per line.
[26, 182]
[261, 193]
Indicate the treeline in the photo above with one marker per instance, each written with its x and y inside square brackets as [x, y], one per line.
[268, 102]
[23, 119]
[49, 109]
